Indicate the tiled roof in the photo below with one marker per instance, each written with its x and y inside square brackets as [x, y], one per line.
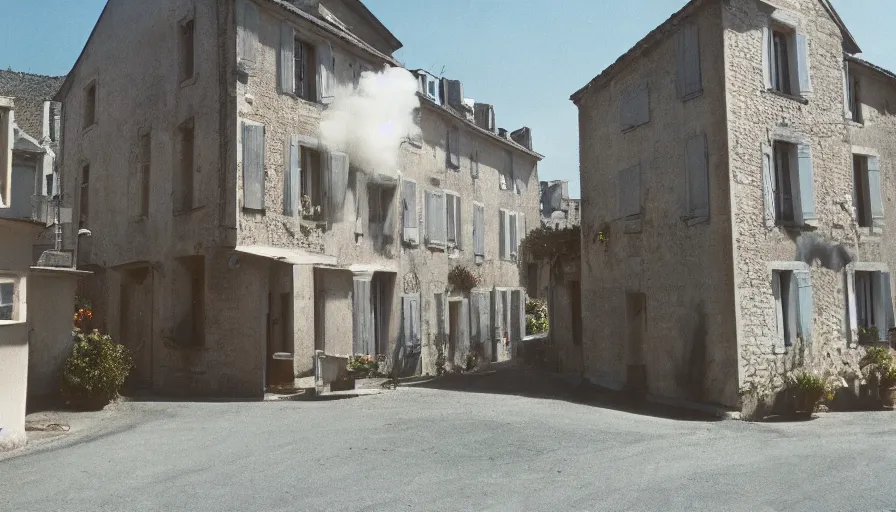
[874, 67]
[30, 91]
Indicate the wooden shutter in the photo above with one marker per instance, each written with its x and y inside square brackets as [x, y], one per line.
[480, 316]
[454, 147]
[410, 307]
[514, 233]
[362, 316]
[428, 215]
[768, 186]
[887, 303]
[388, 204]
[498, 314]
[410, 222]
[291, 177]
[802, 62]
[630, 191]
[474, 164]
[874, 190]
[849, 276]
[338, 184]
[287, 62]
[504, 238]
[697, 177]
[253, 166]
[635, 106]
[779, 301]
[450, 218]
[766, 57]
[479, 230]
[435, 218]
[517, 315]
[463, 334]
[688, 80]
[324, 55]
[847, 95]
[520, 229]
[440, 301]
[805, 305]
[247, 30]
[806, 183]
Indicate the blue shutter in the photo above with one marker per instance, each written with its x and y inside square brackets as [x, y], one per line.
[410, 222]
[689, 81]
[253, 166]
[291, 178]
[802, 52]
[325, 85]
[807, 184]
[697, 177]
[338, 184]
[287, 61]
[805, 305]
[768, 186]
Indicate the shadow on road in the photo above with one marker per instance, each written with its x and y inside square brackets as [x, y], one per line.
[538, 384]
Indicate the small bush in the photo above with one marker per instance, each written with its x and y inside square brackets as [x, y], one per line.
[95, 370]
[462, 278]
[536, 316]
[877, 364]
[363, 367]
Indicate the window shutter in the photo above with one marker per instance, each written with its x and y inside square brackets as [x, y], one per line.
[479, 230]
[474, 164]
[851, 314]
[441, 228]
[698, 177]
[287, 59]
[428, 215]
[338, 177]
[435, 218]
[362, 317]
[635, 106]
[441, 330]
[463, 334]
[516, 308]
[802, 52]
[454, 147]
[514, 241]
[520, 229]
[874, 189]
[247, 32]
[324, 55]
[779, 301]
[291, 177]
[410, 222]
[458, 223]
[689, 80]
[388, 206]
[888, 303]
[805, 306]
[847, 97]
[450, 217]
[253, 166]
[768, 186]
[766, 57]
[630, 191]
[807, 183]
[410, 307]
[504, 238]
[498, 314]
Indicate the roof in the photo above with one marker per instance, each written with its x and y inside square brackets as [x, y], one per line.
[494, 136]
[658, 33]
[873, 67]
[30, 92]
[359, 7]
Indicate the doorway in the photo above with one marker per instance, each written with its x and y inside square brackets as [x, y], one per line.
[135, 321]
[636, 322]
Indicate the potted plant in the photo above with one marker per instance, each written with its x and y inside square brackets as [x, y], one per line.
[888, 387]
[808, 389]
[878, 367]
[95, 370]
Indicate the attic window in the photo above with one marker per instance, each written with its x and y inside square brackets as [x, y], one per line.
[187, 61]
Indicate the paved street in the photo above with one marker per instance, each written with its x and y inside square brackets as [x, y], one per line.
[436, 449]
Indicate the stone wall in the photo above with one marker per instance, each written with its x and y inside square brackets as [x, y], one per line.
[755, 117]
[684, 269]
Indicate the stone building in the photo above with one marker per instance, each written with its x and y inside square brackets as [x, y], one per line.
[224, 232]
[730, 137]
[558, 210]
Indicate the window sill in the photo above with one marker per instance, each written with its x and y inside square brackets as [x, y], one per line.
[779, 350]
[189, 81]
[12, 322]
[436, 247]
[853, 123]
[178, 213]
[688, 97]
[632, 225]
[798, 99]
[693, 221]
[629, 129]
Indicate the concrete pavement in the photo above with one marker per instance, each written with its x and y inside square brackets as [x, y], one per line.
[436, 449]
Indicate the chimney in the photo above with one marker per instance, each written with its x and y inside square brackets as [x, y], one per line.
[502, 132]
[454, 94]
[484, 116]
[523, 137]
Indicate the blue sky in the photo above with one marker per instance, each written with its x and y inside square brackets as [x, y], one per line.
[523, 56]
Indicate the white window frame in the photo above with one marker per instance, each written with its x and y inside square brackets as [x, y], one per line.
[877, 299]
[18, 297]
[780, 344]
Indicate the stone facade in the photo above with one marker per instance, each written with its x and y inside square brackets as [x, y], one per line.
[711, 307]
[268, 281]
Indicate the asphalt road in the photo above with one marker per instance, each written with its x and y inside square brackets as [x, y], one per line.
[437, 450]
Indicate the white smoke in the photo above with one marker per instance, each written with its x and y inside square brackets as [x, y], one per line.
[370, 123]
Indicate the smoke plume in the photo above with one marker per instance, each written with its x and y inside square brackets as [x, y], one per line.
[369, 123]
[811, 247]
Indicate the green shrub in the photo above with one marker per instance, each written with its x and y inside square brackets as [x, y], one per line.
[363, 367]
[877, 364]
[95, 370]
[536, 316]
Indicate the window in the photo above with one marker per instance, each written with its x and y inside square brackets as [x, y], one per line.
[867, 191]
[697, 178]
[784, 155]
[780, 62]
[183, 181]
[313, 183]
[630, 192]
[143, 173]
[247, 30]
[84, 197]
[792, 291]
[785, 301]
[381, 215]
[512, 230]
[689, 82]
[506, 176]
[435, 218]
[855, 103]
[453, 217]
[189, 300]
[409, 219]
[474, 164]
[187, 53]
[89, 105]
[305, 71]
[50, 190]
[9, 310]
[869, 304]
[634, 106]
[453, 148]
[786, 60]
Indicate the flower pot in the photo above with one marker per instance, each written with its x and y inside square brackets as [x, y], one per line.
[888, 395]
[805, 402]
